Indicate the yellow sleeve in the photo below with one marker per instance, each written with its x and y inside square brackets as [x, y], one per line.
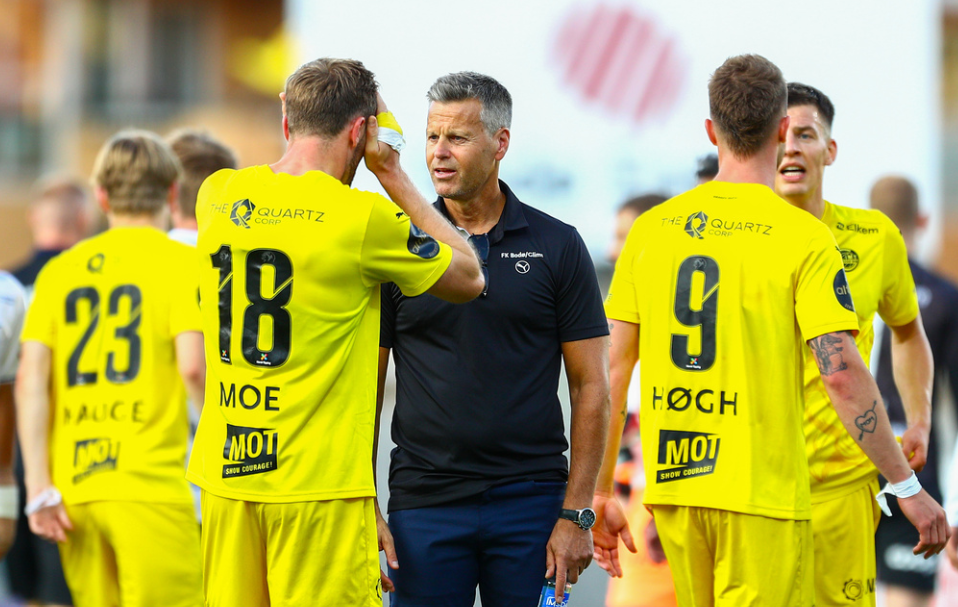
[185, 306]
[208, 194]
[41, 321]
[899, 302]
[622, 302]
[823, 301]
[395, 250]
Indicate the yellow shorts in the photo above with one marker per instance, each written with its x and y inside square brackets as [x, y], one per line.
[728, 559]
[290, 555]
[643, 583]
[844, 531]
[134, 554]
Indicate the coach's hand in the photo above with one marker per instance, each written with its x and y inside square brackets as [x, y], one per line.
[611, 523]
[51, 523]
[568, 553]
[914, 444]
[929, 519]
[386, 545]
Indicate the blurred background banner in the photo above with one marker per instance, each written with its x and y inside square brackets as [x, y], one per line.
[611, 96]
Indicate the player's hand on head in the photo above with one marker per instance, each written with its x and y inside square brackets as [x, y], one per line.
[611, 523]
[379, 156]
[51, 523]
[386, 545]
[929, 519]
[914, 444]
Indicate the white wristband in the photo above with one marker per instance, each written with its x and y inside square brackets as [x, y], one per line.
[392, 138]
[906, 488]
[9, 498]
[45, 499]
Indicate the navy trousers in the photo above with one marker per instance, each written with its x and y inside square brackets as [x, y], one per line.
[496, 541]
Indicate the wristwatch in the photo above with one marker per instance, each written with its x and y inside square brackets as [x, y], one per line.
[584, 518]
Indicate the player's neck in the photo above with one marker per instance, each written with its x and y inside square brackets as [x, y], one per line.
[480, 212]
[813, 203]
[142, 220]
[760, 168]
[308, 153]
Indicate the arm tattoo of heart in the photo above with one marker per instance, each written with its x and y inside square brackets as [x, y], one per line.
[867, 422]
[828, 354]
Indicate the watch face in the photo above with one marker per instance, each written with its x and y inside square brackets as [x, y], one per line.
[586, 518]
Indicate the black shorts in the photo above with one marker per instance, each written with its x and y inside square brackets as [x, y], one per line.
[897, 566]
[33, 564]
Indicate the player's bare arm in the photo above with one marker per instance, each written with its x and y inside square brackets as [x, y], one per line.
[914, 369]
[855, 396]
[463, 280]
[33, 424]
[386, 543]
[570, 548]
[191, 364]
[611, 521]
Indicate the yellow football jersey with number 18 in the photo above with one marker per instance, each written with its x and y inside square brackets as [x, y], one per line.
[727, 282]
[876, 263]
[110, 309]
[290, 268]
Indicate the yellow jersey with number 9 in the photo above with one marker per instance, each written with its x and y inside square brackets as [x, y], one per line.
[290, 268]
[726, 282]
[876, 263]
[110, 309]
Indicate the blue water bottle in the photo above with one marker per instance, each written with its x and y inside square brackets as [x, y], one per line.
[548, 596]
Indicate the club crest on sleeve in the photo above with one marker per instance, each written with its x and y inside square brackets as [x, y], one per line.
[421, 244]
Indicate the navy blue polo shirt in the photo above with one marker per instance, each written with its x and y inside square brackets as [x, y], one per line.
[477, 384]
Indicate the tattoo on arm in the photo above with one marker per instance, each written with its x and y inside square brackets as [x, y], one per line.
[828, 354]
[867, 422]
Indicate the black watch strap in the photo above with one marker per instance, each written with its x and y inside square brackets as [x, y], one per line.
[576, 516]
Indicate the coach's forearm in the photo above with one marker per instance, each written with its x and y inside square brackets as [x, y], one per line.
[33, 415]
[855, 396]
[587, 369]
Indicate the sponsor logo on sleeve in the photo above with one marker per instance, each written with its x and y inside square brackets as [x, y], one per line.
[94, 455]
[421, 244]
[842, 292]
[686, 455]
[250, 451]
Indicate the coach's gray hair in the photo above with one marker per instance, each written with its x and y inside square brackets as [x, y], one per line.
[496, 101]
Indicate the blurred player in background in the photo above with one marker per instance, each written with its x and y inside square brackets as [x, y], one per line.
[643, 578]
[726, 471]
[200, 155]
[707, 169]
[910, 580]
[113, 327]
[844, 482]
[290, 299]
[58, 217]
[13, 304]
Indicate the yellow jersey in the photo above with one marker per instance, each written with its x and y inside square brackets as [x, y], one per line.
[290, 268]
[110, 309]
[876, 263]
[727, 282]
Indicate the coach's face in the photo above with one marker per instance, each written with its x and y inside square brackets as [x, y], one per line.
[807, 150]
[461, 155]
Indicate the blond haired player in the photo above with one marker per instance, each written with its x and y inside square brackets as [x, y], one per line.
[722, 353]
[111, 337]
[845, 513]
[292, 259]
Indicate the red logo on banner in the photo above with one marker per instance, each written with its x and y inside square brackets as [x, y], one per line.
[621, 61]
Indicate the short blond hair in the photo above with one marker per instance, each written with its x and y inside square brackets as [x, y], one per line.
[136, 170]
[200, 155]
